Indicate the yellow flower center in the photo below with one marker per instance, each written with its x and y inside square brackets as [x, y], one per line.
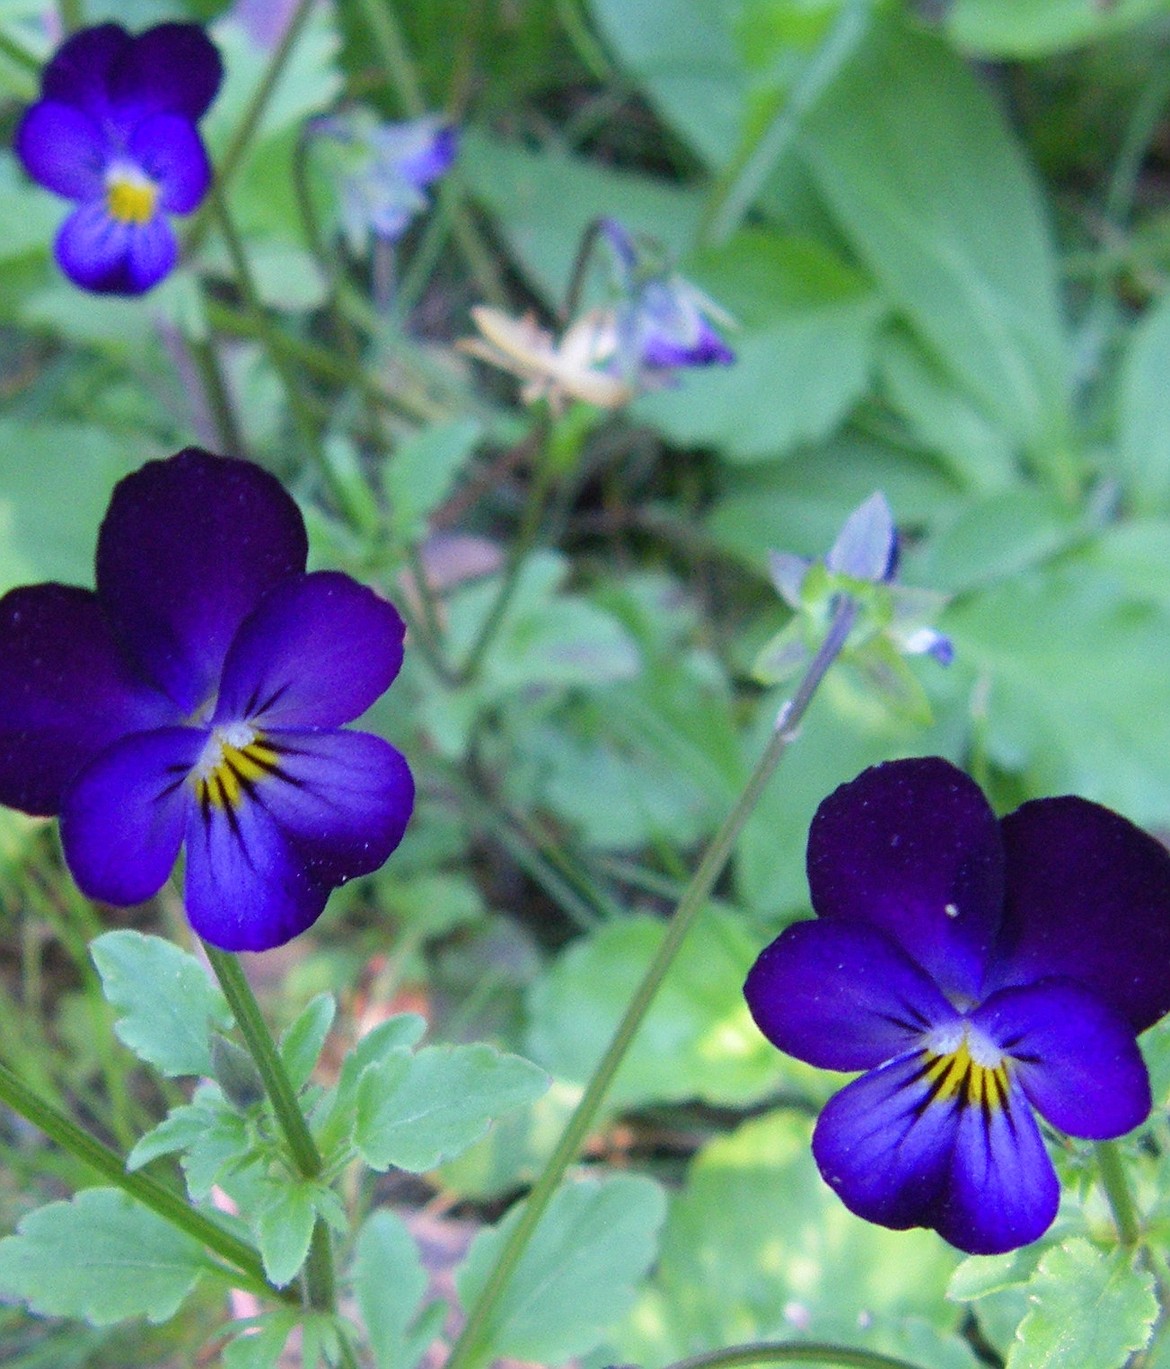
[234, 760]
[971, 1076]
[130, 197]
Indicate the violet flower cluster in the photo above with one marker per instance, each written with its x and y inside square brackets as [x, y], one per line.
[115, 130]
[197, 696]
[383, 170]
[663, 322]
[980, 972]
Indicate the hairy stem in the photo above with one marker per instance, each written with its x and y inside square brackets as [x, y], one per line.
[789, 1352]
[1111, 1167]
[467, 1348]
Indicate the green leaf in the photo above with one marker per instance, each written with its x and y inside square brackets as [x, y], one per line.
[181, 1129]
[170, 1004]
[302, 1043]
[544, 201]
[421, 472]
[261, 1348]
[575, 1278]
[698, 1039]
[414, 1111]
[1032, 28]
[1089, 1310]
[1143, 438]
[810, 325]
[389, 1282]
[283, 1223]
[101, 1257]
[391, 1039]
[937, 200]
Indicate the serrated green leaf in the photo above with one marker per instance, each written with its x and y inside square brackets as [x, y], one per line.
[577, 1274]
[222, 1146]
[283, 1224]
[170, 1004]
[183, 1127]
[421, 471]
[443, 1101]
[388, 1282]
[100, 1257]
[980, 1276]
[1089, 1310]
[394, 1037]
[302, 1043]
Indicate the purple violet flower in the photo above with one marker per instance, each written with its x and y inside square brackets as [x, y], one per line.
[663, 321]
[115, 131]
[198, 696]
[383, 169]
[979, 972]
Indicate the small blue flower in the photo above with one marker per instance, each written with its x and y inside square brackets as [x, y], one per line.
[115, 131]
[198, 697]
[664, 323]
[979, 972]
[382, 170]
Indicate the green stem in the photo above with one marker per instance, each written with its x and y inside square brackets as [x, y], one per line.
[19, 56]
[319, 1281]
[788, 1352]
[72, 14]
[517, 555]
[254, 1030]
[1113, 1180]
[302, 416]
[403, 78]
[160, 1199]
[230, 161]
[215, 392]
[714, 861]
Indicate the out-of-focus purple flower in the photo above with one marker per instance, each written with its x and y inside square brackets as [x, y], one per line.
[115, 131]
[198, 697]
[382, 170]
[979, 972]
[663, 322]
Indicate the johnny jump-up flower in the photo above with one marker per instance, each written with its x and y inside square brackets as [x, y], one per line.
[198, 696]
[383, 169]
[115, 131]
[979, 972]
[663, 322]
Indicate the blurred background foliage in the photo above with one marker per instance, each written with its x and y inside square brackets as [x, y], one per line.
[944, 230]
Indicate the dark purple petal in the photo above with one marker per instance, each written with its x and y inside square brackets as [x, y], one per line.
[662, 351]
[63, 149]
[899, 1155]
[171, 69]
[884, 1149]
[169, 150]
[1074, 1057]
[913, 848]
[259, 872]
[122, 818]
[317, 652]
[842, 996]
[104, 255]
[186, 551]
[1003, 1191]
[79, 73]
[66, 693]
[428, 162]
[1088, 898]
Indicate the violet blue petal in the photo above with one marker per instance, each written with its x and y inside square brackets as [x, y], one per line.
[842, 995]
[169, 69]
[912, 847]
[1088, 897]
[883, 1150]
[122, 818]
[1003, 1191]
[63, 149]
[419, 152]
[67, 691]
[259, 873]
[109, 257]
[1075, 1058]
[80, 71]
[317, 651]
[867, 545]
[185, 553]
[170, 151]
[661, 351]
